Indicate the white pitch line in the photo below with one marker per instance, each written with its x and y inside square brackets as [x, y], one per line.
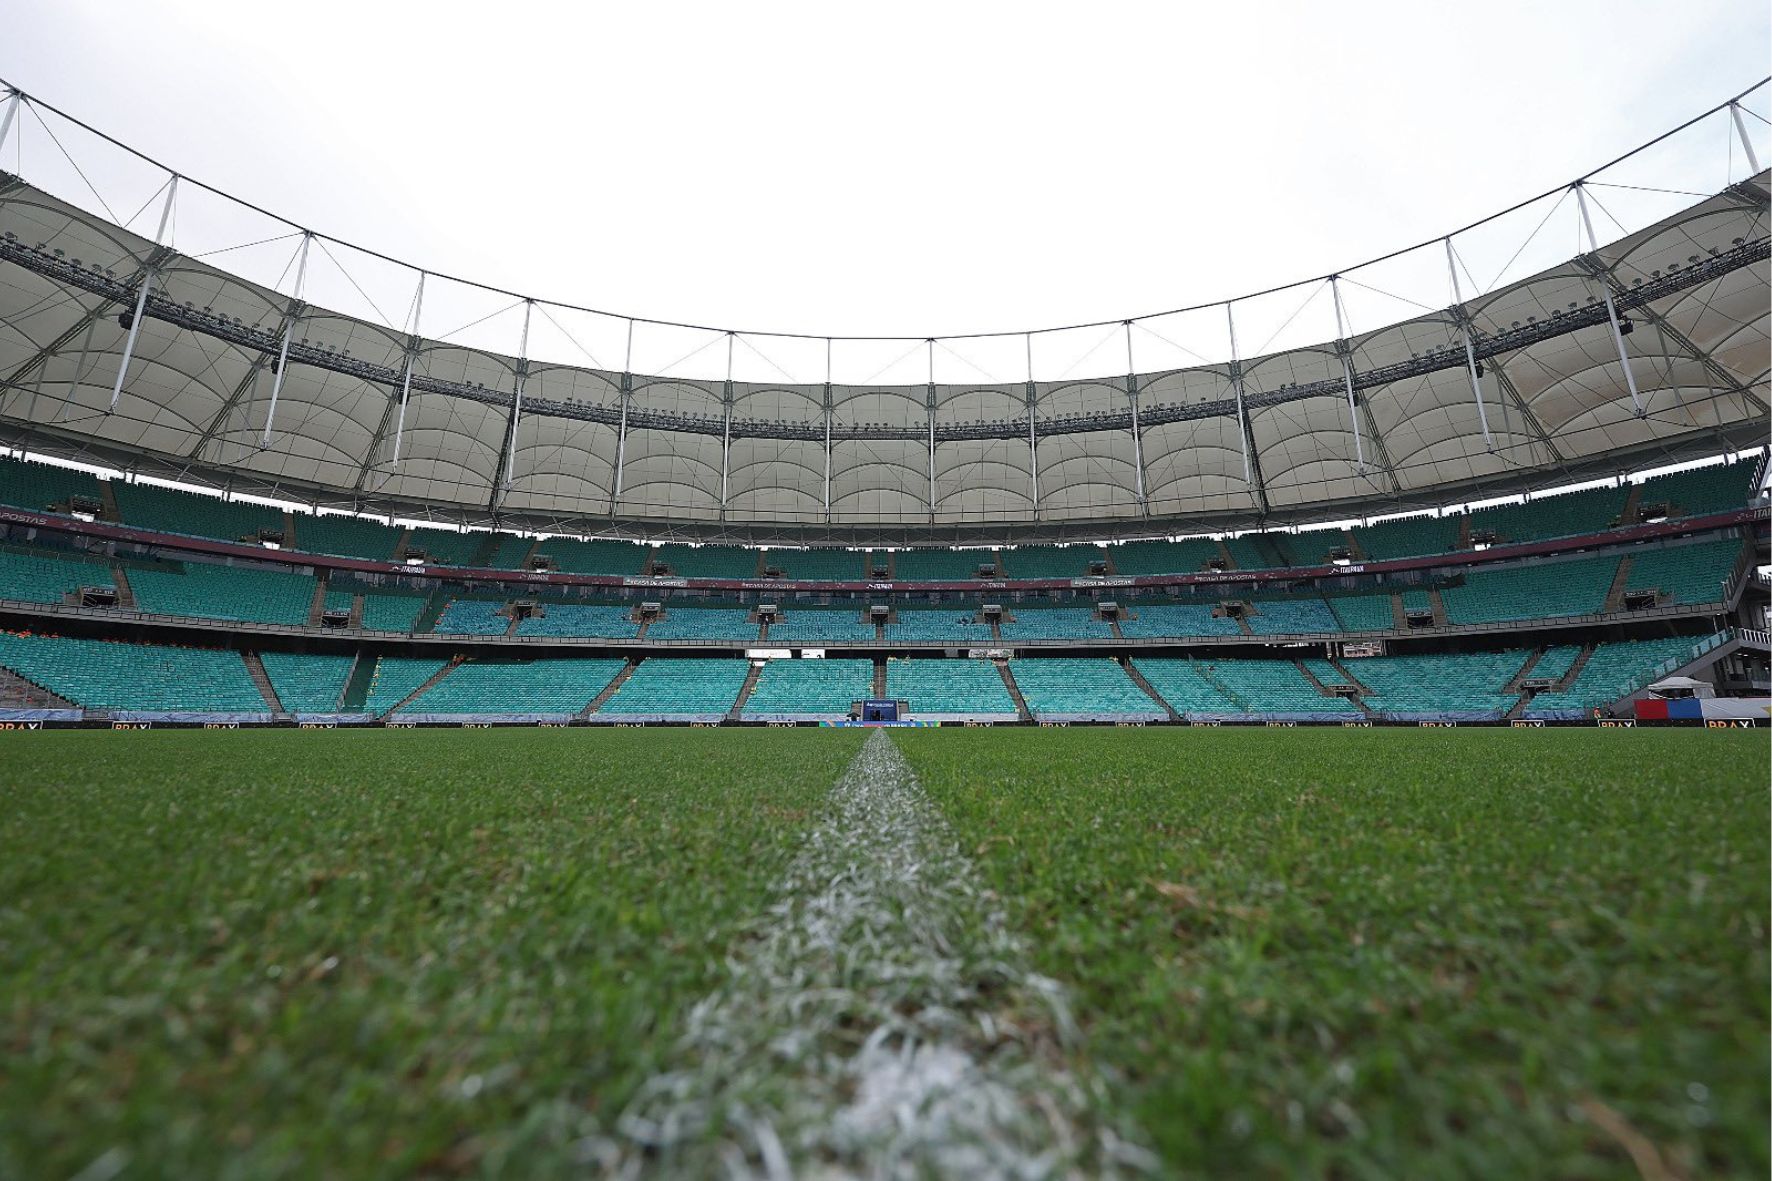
[880, 1021]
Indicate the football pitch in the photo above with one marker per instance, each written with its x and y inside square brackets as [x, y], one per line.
[1172, 952]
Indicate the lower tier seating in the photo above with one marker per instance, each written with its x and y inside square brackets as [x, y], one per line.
[551, 687]
[113, 675]
[1614, 670]
[681, 688]
[1084, 687]
[392, 613]
[1272, 687]
[1469, 685]
[1279, 617]
[395, 678]
[1695, 573]
[810, 688]
[1574, 587]
[306, 682]
[949, 688]
[1358, 613]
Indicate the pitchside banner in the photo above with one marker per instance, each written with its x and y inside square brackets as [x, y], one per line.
[1708, 709]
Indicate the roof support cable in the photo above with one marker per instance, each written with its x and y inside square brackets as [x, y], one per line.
[1137, 435]
[412, 343]
[503, 486]
[289, 319]
[1593, 246]
[1031, 392]
[1470, 353]
[141, 299]
[6, 119]
[1345, 351]
[1747, 145]
[621, 431]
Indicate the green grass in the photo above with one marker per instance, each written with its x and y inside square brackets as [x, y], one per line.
[1393, 953]
[263, 954]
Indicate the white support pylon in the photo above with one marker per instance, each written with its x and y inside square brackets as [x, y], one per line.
[301, 275]
[141, 299]
[1470, 352]
[1593, 247]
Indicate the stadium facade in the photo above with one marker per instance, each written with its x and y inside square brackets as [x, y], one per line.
[1518, 366]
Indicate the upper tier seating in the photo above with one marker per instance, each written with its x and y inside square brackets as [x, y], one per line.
[553, 687]
[1308, 548]
[508, 553]
[345, 537]
[168, 510]
[1469, 684]
[1277, 617]
[1717, 488]
[817, 626]
[1162, 621]
[1695, 573]
[39, 486]
[1575, 587]
[593, 557]
[1188, 556]
[687, 688]
[395, 678]
[828, 565]
[1272, 687]
[306, 682]
[1613, 671]
[225, 592]
[1363, 612]
[1183, 684]
[1407, 537]
[939, 565]
[1592, 510]
[1055, 623]
[1051, 561]
[1082, 687]
[581, 619]
[810, 688]
[48, 576]
[1249, 553]
[963, 688]
[706, 561]
[704, 623]
[962, 627]
[107, 674]
[446, 547]
[472, 617]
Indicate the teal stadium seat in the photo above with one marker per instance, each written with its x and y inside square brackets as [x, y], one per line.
[1055, 623]
[169, 510]
[819, 626]
[235, 593]
[345, 537]
[43, 486]
[687, 689]
[1063, 689]
[1613, 671]
[1570, 514]
[547, 689]
[1696, 492]
[1687, 573]
[1163, 621]
[940, 565]
[1295, 616]
[395, 678]
[49, 576]
[1456, 686]
[572, 556]
[1575, 587]
[1407, 537]
[961, 689]
[803, 689]
[308, 683]
[1051, 561]
[472, 617]
[1141, 558]
[730, 624]
[818, 565]
[581, 619]
[960, 627]
[707, 561]
[1363, 612]
[149, 678]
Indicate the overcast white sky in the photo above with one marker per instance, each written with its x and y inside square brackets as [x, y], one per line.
[906, 168]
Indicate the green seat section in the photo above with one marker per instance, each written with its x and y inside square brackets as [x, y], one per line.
[1051, 561]
[1249, 553]
[391, 612]
[593, 557]
[661, 686]
[1325, 672]
[1417, 600]
[40, 486]
[821, 625]
[703, 623]
[581, 619]
[551, 686]
[1716, 488]
[940, 565]
[1188, 556]
[508, 552]
[963, 627]
[446, 547]
[395, 678]
[810, 688]
[170, 510]
[1079, 686]
[707, 561]
[48, 576]
[337, 600]
[107, 674]
[1556, 662]
[472, 617]
[1613, 671]
[308, 683]
[1161, 621]
[1570, 514]
[1183, 684]
[346, 537]
[1407, 537]
[232, 593]
[1280, 617]
[1575, 587]
[1467, 682]
[821, 565]
[1686, 574]
[1055, 623]
[972, 687]
[1367, 612]
[1272, 686]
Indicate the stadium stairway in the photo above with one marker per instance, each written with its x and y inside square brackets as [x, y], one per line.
[400, 546]
[1569, 678]
[108, 499]
[454, 662]
[511, 627]
[18, 692]
[1149, 689]
[1307, 674]
[483, 557]
[745, 690]
[1224, 553]
[762, 638]
[1614, 600]
[1633, 499]
[1021, 706]
[355, 698]
[289, 530]
[125, 592]
[997, 634]
[1513, 686]
[639, 634]
[1243, 621]
[317, 604]
[1355, 550]
[879, 679]
[620, 678]
[1438, 605]
[528, 560]
[1464, 532]
[356, 611]
[1399, 613]
[255, 668]
[434, 607]
[1114, 626]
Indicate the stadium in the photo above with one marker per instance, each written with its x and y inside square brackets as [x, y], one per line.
[1510, 482]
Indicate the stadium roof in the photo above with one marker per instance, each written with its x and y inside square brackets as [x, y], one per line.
[1650, 348]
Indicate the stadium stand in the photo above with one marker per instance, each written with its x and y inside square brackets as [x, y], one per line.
[1179, 681]
[1611, 672]
[706, 561]
[1574, 587]
[1051, 561]
[959, 626]
[391, 612]
[1081, 688]
[821, 625]
[703, 623]
[235, 593]
[1160, 621]
[1407, 537]
[942, 689]
[396, 677]
[547, 689]
[662, 688]
[593, 557]
[802, 689]
[472, 617]
[1187, 556]
[1715, 488]
[507, 553]
[834, 565]
[43, 486]
[940, 565]
[1592, 510]
[37, 575]
[135, 678]
[1695, 573]
[1273, 688]
[1055, 623]
[170, 510]
[1362, 612]
[445, 547]
[581, 619]
[308, 683]
[1248, 554]
[1325, 671]
[1456, 686]
[346, 537]
[1556, 661]
[1274, 617]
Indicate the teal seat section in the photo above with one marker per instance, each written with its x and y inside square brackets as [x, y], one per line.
[818, 565]
[1055, 623]
[1696, 573]
[1188, 556]
[1407, 537]
[962, 627]
[707, 561]
[43, 486]
[815, 626]
[968, 687]
[553, 686]
[572, 556]
[396, 677]
[581, 619]
[346, 537]
[1576, 587]
[36, 575]
[109, 674]
[663, 686]
[235, 593]
[1162, 621]
[472, 617]
[306, 682]
[732, 624]
[810, 688]
[1080, 686]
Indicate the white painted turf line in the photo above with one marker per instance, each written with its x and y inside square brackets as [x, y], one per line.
[879, 1021]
